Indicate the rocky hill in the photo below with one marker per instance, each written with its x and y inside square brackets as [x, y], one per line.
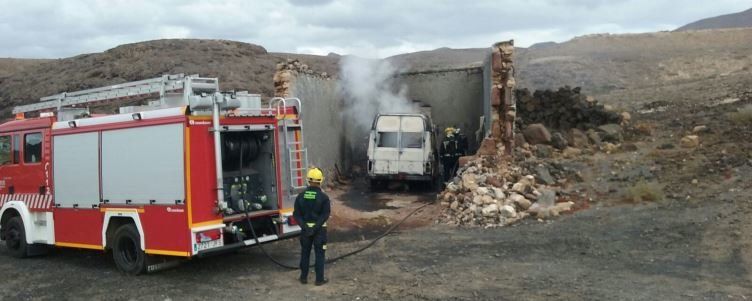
[602, 64]
[239, 66]
[735, 20]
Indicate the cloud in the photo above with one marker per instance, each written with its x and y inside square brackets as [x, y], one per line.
[51, 29]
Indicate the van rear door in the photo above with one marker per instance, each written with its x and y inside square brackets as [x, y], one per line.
[411, 153]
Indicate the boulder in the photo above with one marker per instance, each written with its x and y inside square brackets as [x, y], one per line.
[610, 132]
[625, 118]
[498, 193]
[700, 129]
[487, 199]
[494, 181]
[508, 211]
[490, 210]
[520, 200]
[594, 137]
[543, 151]
[537, 133]
[578, 138]
[570, 152]
[690, 141]
[558, 141]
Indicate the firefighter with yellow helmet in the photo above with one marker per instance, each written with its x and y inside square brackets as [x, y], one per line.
[312, 208]
[451, 150]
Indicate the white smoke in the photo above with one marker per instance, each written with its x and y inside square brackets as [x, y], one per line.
[369, 88]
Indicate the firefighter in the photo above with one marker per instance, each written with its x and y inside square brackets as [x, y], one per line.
[461, 142]
[312, 209]
[449, 158]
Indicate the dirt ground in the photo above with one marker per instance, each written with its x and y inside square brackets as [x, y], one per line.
[694, 244]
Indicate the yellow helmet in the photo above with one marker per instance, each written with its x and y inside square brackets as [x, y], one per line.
[315, 175]
[449, 131]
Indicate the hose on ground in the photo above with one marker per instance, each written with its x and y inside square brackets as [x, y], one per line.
[331, 260]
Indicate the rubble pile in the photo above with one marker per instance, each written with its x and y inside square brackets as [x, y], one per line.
[286, 71]
[489, 193]
[562, 109]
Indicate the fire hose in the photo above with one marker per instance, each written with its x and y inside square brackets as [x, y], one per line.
[331, 260]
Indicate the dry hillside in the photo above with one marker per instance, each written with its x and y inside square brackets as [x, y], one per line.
[735, 20]
[240, 66]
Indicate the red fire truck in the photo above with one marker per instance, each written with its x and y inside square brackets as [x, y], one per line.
[191, 173]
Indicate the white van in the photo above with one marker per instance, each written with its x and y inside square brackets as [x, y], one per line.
[402, 147]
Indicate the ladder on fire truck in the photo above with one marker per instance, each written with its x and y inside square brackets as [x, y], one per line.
[160, 87]
[292, 135]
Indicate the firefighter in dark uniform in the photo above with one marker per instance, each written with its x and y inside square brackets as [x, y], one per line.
[461, 142]
[312, 210]
[449, 158]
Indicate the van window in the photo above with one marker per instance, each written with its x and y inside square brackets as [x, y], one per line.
[5, 153]
[33, 148]
[16, 149]
[412, 140]
[388, 139]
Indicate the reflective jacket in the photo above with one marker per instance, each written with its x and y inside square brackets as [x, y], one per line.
[312, 208]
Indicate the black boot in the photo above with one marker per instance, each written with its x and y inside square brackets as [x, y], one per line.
[322, 282]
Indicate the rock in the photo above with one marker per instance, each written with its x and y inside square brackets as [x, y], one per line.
[695, 181]
[519, 140]
[610, 132]
[594, 137]
[494, 181]
[487, 199]
[561, 207]
[570, 152]
[482, 191]
[578, 138]
[547, 198]
[508, 211]
[544, 175]
[452, 187]
[537, 134]
[543, 151]
[558, 141]
[498, 193]
[700, 129]
[454, 205]
[468, 181]
[609, 148]
[690, 141]
[666, 146]
[478, 200]
[625, 118]
[490, 210]
[520, 200]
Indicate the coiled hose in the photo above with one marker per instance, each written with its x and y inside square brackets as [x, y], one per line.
[331, 260]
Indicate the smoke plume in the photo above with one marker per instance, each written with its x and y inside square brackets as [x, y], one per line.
[369, 88]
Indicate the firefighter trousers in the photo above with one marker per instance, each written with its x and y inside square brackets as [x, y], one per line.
[318, 243]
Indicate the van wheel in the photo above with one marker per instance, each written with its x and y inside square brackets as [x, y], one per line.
[15, 237]
[126, 250]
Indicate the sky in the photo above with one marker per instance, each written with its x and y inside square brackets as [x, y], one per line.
[378, 28]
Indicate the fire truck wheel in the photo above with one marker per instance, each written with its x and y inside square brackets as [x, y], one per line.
[15, 237]
[127, 252]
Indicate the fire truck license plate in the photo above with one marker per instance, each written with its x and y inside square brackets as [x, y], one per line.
[209, 245]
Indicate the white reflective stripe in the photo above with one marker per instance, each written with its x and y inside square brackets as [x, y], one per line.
[32, 200]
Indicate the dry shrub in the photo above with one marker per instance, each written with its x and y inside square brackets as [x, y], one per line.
[742, 116]
[645, 192]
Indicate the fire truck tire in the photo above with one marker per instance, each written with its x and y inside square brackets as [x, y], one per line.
[15, 237]
[127, 252]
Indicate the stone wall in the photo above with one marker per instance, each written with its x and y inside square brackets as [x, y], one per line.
[323, 126]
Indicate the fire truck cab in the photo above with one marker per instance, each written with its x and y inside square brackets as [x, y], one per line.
[195, 172]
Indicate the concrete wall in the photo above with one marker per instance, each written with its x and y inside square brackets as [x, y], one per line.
[455, 95]
[323, 129]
